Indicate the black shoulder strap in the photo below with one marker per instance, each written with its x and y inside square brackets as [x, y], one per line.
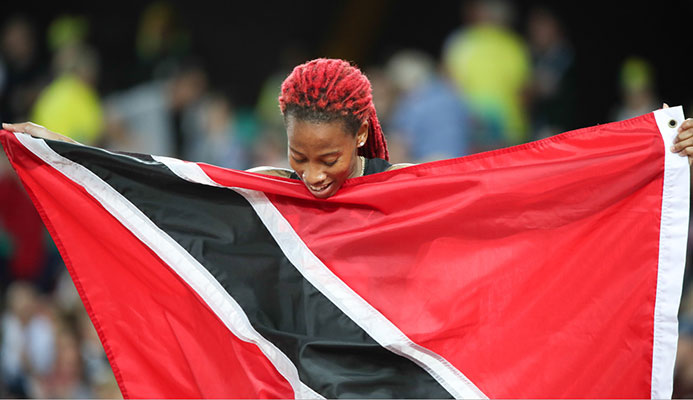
[375, 165]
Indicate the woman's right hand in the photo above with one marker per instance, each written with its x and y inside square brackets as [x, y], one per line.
[36, 130]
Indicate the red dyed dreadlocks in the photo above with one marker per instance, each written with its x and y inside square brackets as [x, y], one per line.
[328, 89]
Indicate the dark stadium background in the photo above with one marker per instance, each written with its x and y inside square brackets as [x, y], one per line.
[241, 42]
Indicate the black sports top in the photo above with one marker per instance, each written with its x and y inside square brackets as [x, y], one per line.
[373, 166]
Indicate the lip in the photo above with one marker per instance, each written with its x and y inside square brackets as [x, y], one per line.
[320, 190]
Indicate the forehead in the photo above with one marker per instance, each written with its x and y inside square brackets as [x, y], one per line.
[317, 135]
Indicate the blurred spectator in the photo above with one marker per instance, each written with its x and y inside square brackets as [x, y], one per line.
[50, 348]
[70, 104]
[149, 117]
[28, 342]
[637, 90]
[269, 140]
[65, 378]
[67, 30]
[270, 150]
[97, 370]
[26, 255]
[216, 140]
[683, 371]
[430, 117]
[5, 240]
[161, 42]
[22, 72]
[385, 94]
[490, 65]
[267, 107]
[552, 91]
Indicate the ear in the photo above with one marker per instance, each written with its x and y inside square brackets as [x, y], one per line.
[362, 134]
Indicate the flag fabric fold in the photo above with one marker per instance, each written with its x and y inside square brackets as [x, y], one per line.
[550, 269]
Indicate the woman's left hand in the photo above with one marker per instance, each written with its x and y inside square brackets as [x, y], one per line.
[683, 143]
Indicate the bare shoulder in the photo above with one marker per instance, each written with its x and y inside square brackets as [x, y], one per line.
[272, 171]
[399, 165]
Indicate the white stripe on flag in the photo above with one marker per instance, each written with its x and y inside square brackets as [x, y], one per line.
[673, 234]
[354, 306]
[184, 264]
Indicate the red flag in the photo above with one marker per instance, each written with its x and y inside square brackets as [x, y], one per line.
[550, 269]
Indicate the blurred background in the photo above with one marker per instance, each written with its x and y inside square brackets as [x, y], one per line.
[200, 80]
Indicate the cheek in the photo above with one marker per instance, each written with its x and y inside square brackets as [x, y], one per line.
[338, 173]
[341, 171]
[295, 166]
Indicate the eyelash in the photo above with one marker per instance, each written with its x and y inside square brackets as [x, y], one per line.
[326, 163]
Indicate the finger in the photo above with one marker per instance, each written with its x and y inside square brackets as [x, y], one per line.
[15, 127]
[686, 151]
[686, 124]
[685, 131]
[682, 145]
[10, 127]
[30, 128]
[665, 105]
[26, 127]
[687, 134]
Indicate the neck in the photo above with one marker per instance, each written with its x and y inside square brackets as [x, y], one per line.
[357, 169]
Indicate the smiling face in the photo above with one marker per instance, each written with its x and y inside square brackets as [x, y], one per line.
[324, 154]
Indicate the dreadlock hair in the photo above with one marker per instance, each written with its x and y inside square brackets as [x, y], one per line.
[326, 90]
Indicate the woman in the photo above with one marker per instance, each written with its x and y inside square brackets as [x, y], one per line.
[331, 126]
[332, 129]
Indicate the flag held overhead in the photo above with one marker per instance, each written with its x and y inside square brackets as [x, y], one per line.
[549, 269]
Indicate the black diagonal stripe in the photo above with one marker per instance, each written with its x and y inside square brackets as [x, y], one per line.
[333, 355]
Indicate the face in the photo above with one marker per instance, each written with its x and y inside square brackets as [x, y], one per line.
[324, 154]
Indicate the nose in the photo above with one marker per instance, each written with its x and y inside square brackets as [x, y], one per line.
[314, 176]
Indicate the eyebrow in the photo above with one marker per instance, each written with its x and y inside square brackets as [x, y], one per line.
[321, 155]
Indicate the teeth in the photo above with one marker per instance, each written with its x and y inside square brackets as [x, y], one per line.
[318, 189]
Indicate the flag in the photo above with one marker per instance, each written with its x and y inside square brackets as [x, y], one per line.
[552, 269]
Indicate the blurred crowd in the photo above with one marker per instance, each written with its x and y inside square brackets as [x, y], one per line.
[491, 86]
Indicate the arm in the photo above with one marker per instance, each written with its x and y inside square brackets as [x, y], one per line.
[272, 171]
[400, 165]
